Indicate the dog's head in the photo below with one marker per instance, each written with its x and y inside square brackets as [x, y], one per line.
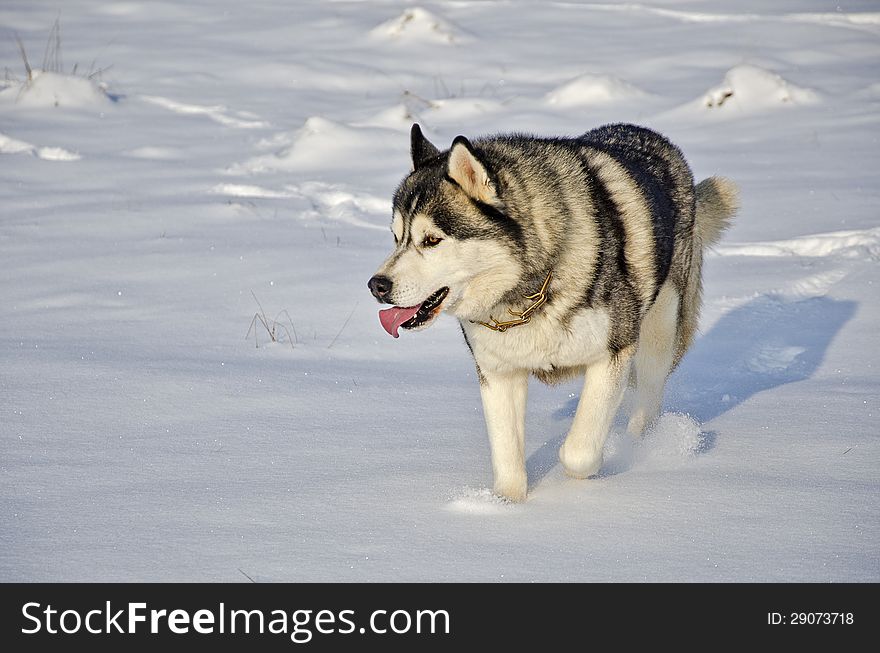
[455, 246]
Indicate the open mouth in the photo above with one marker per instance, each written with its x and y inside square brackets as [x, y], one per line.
[413, 317]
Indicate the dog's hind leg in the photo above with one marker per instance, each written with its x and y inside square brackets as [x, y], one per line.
[581, 453]
[504, 407]
[654, 358]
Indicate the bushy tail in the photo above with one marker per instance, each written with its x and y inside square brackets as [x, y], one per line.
[717, 202]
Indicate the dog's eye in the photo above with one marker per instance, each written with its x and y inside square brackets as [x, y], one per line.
[431, 241]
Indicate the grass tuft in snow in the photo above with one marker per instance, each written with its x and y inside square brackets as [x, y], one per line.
[52, 57]
[49, 85]
[273, 327]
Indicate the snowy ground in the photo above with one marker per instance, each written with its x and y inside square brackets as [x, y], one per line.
[205, 152]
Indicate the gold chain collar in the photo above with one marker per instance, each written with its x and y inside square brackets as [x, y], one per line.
[539, 298]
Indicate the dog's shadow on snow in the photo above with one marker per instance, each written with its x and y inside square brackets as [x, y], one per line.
[767, 343]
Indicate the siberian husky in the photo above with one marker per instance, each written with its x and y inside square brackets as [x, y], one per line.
[559, 257]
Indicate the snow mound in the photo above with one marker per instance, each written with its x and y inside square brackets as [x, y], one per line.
[747, 87]
[250, 191]
[814, 285]
[155, 153]
[219, 114]
[395, 117]
[320, 200]
[858, 243]
[591, 89]
[49, 89]
[10, 145]
[14, 146]
[417, 25]
[56, 154]
[322, 144]
[462, 109]
[452, 110]
[341, 203]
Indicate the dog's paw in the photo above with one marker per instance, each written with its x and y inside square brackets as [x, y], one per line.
[640, 422]
[580, 463]
[637, 425]
[513, 490]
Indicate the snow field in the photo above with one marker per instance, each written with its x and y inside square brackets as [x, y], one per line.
[229, 152]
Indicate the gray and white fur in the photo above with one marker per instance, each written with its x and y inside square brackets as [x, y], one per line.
[613, 215]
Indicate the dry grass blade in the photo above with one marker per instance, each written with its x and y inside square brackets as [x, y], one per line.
[290, 321]
[99, 72]
[344, 324]
[52, 55]
[27, 65]
[272, 327]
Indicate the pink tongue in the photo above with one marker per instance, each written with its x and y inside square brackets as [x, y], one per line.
[392, 318]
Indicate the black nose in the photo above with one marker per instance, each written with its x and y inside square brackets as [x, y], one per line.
[380, 287]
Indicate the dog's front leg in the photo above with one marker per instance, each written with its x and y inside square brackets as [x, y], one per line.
[504, 406]
[581, 453]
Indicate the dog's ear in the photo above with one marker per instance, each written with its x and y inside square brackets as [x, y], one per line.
[420, 148]
[466, 170]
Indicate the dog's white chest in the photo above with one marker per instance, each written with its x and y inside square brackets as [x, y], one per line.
[544, 343]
